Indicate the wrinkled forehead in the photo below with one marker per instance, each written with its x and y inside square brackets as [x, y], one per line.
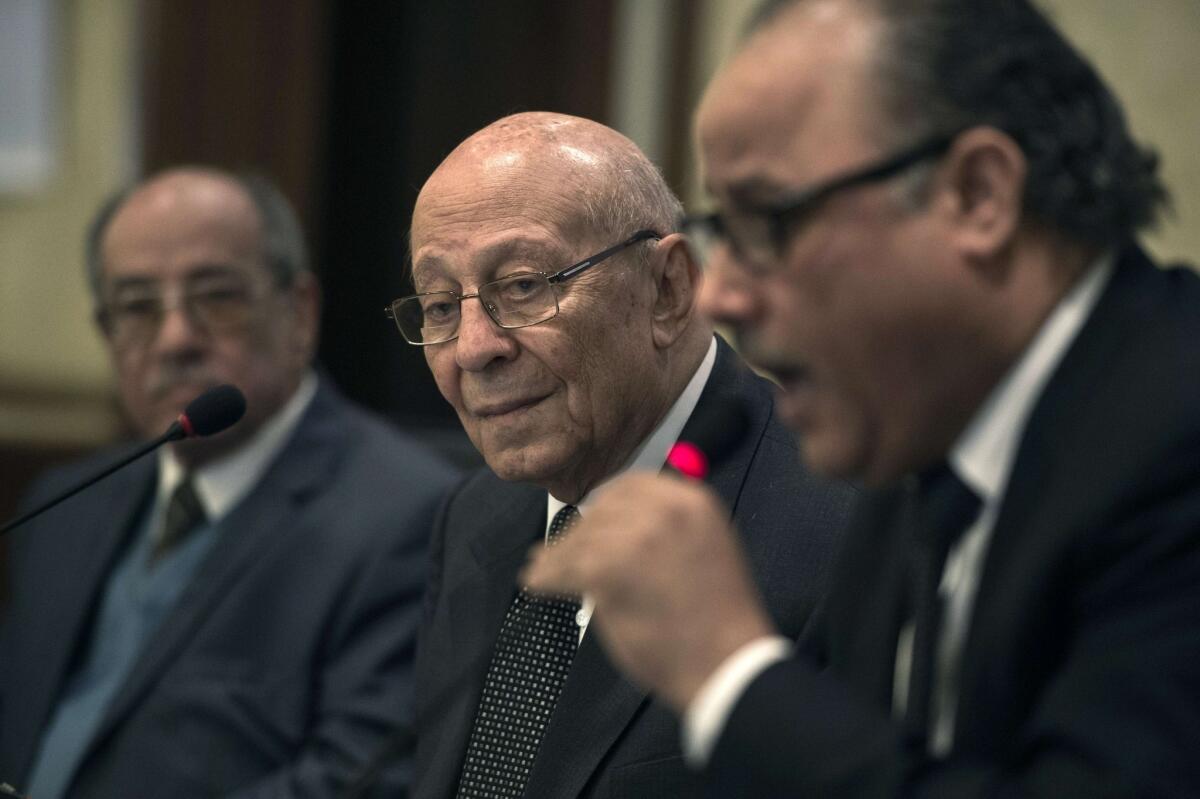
[180, 221]
[505, 203]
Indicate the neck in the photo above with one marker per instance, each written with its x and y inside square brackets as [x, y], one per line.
[677, 366]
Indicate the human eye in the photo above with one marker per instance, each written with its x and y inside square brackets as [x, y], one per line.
[439, 308]
[221, 294]
[136, 306]
[521, 287]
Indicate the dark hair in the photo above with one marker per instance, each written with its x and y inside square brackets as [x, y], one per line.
[284, 251]
[951, 64]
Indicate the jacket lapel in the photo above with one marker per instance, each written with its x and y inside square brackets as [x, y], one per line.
[496, 546]
[597, 703]
[257, 523]
[1030, 517]
[70, 579]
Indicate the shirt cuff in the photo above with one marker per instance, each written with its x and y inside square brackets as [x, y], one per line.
[705, 717]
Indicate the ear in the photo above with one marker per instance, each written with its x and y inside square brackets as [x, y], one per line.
[981, 183]
[305, 299]
[676, 281]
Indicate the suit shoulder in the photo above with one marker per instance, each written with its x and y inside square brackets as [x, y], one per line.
[379, 443]
[481, 491]
[59, 477]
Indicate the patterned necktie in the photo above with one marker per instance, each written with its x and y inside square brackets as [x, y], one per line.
[533, 654]
[944, 507]
[184, 514]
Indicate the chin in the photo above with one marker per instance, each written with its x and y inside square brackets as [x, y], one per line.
[527, 464]
[831, 458]
[199, 451]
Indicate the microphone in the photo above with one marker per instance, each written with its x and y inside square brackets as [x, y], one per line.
[713, 431]
[208, 414]
[215, 410]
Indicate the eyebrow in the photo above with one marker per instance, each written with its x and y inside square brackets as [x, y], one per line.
[202, 272]
[754, 191]
[533, 248]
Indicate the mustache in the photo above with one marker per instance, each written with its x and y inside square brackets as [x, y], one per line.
[171, 374]
[773, 360]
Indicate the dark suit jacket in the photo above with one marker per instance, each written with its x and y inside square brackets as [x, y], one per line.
[606, 737]
[288, 656]
[1081, 668]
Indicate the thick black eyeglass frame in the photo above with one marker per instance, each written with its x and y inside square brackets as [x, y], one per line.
[783, 214]
[561, 276]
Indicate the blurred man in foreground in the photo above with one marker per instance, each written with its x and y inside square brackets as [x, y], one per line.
[556, 306]
[236, 617]
[927, 227]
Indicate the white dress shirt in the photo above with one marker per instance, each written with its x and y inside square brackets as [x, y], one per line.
[982, 458]
[222, 483]
[650, 456]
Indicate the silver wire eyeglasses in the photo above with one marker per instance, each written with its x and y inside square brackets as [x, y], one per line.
[518, 300]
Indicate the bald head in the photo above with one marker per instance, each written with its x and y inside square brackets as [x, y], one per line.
[278, 231]
[564, 400]
[602, 183]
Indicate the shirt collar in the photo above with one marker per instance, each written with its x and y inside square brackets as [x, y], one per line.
[223, 482]
[652, 454]
[983, 454]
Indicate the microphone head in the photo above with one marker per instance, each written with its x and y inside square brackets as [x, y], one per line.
[712, 433]
[215, 410]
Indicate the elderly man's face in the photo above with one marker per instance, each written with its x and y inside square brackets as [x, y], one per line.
[849, 316]
[191, 241]
[563, 403]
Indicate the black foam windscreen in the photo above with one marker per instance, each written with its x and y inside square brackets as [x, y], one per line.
[215, 410]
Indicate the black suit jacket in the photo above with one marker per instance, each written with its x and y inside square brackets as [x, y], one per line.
[288, 656]
[1081, 667]
[606, 737]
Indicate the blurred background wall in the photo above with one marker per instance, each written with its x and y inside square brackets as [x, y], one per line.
[350, 105]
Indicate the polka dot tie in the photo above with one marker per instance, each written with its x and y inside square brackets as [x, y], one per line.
[533, 654]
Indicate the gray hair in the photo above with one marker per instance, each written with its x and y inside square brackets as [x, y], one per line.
[284, 250]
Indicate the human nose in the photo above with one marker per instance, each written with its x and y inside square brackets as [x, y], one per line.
[178, 328]
[480, 340]
[728, 294]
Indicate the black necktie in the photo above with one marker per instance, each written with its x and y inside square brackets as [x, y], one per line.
[533, 654]
[184, 514]
[943, 508]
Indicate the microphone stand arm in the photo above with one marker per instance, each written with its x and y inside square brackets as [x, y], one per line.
[174, 433]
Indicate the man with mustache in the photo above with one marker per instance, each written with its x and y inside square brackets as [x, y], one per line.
[556, 305]
[927, 225]
[237, 616]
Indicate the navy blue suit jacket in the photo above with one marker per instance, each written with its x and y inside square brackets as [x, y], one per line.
[1080, 674]
[286, 660]
[607, 737]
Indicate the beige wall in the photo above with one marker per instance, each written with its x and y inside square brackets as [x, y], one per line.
[54, 376]
[1146, 51]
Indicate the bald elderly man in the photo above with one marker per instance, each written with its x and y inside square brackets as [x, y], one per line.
[556, 307]
[237, 616]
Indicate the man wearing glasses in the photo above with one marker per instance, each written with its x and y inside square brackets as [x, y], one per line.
[556, 307]
[238, 616]
[927, 224]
